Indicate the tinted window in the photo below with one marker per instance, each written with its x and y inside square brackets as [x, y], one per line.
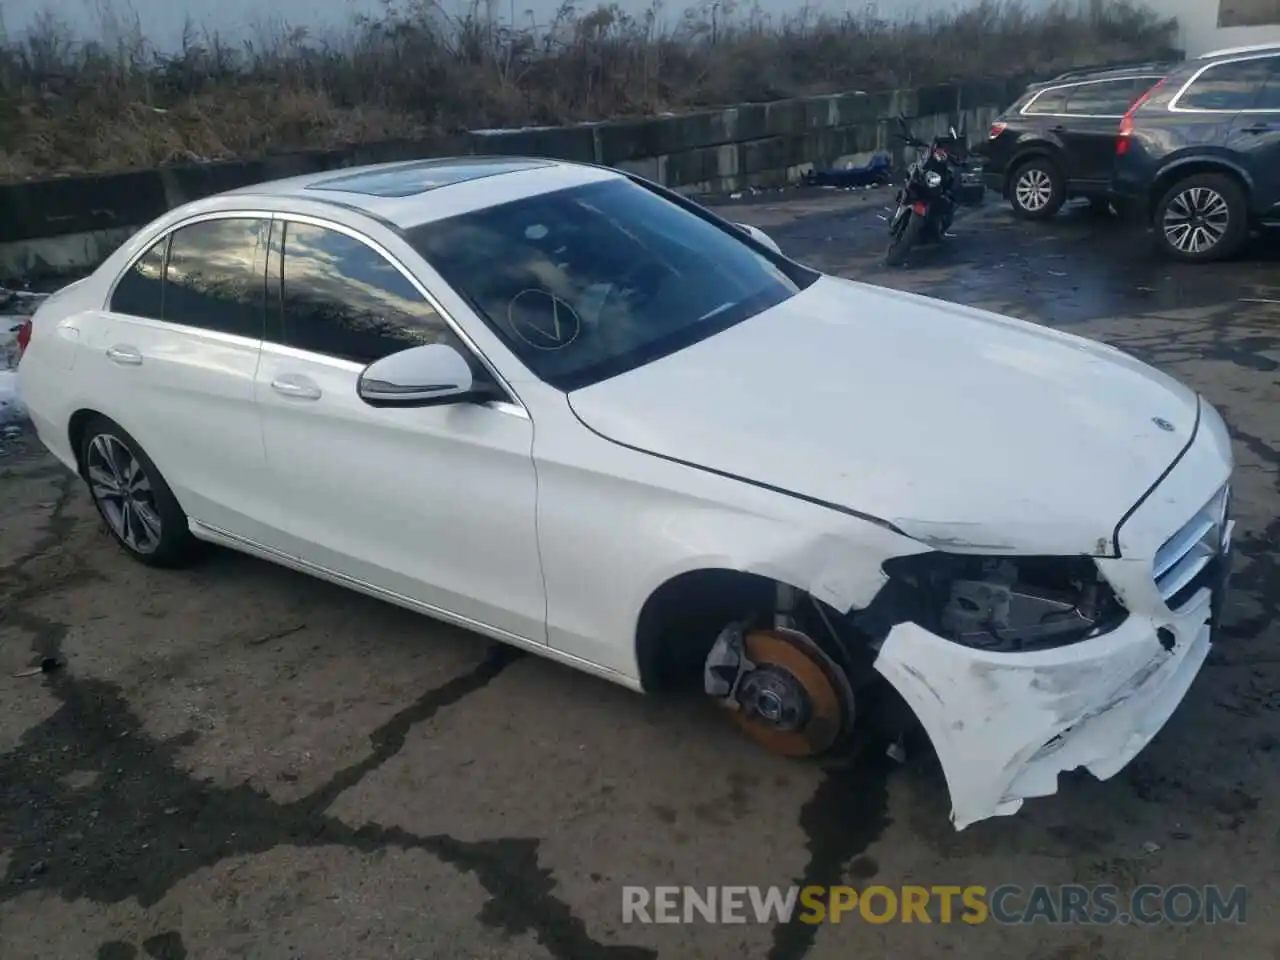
[1110, 99]
[217, 276]
[138, 291]
[1270, 97]
[1051, 101]
[1228, 86]
[587, 282]
[341, 298]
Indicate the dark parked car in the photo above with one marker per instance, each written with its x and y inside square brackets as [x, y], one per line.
[1058, 140]
[1198, 158]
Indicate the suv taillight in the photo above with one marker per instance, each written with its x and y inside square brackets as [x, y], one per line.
[1126, 122]
[997, 128]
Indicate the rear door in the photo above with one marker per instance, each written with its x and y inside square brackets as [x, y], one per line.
[1091, 119]
[174, 360]
[1256, 134]
[1236, 103]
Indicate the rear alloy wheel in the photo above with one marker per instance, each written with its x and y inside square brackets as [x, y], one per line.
[132, 498]
[1203, 218]
[1037, 190]
[794, 700]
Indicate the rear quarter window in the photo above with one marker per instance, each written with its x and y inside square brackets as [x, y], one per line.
[1051, 101]
[138, 292]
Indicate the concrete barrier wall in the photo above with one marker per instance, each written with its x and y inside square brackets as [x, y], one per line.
[69, 224]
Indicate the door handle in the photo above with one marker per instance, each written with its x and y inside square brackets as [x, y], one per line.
[296, 387]
[1060, 128]
[128, 356]
[1256, 128]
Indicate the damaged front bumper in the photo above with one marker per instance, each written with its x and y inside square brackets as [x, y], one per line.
[1005, 725]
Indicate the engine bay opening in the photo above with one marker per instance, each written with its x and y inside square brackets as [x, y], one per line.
[1001, 604]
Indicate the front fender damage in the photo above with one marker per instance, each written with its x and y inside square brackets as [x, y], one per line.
[1005, 725]
[841, 571]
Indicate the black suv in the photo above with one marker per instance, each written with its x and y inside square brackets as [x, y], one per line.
[1058, 140]
[1198, 157]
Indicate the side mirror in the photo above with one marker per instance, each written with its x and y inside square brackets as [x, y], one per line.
[759, 236]
[423, 376]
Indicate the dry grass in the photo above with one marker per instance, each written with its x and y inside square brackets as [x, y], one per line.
[416, 71]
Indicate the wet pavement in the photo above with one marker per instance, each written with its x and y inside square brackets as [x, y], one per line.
[239, 761]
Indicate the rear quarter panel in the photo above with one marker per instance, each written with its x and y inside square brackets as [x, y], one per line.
[51, 387]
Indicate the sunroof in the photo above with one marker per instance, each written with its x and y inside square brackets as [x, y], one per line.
[405, 180]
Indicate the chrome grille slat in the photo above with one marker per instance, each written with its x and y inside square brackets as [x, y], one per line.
[1184, 572]
[1186, 554]
[1172, 552]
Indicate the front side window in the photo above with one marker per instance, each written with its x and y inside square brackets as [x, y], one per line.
[1235, 85]
[588, 282]
[341, 298]
[216, 278]
[138, 291]
[1110, 99]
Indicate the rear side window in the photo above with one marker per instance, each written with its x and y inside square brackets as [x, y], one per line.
[341, 298]
[139, 292]
[216, 279]
[1110, 99]
[1050, 101]
[1234, 85]
[210, 275]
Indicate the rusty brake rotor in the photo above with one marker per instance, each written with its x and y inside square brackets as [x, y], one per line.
[796, 702]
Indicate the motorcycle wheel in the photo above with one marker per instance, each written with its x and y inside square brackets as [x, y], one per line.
[906, 233]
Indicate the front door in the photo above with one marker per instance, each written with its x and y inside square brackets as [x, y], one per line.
[434, 504]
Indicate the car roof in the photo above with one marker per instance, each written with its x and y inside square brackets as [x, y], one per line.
[1152, 68]
[1273, 47]
[412, 192]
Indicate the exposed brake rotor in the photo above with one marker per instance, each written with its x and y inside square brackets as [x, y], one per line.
[787, 694]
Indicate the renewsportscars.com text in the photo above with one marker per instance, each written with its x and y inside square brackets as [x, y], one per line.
[1005, 904]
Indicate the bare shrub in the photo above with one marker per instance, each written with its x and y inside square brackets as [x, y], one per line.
[416, 71]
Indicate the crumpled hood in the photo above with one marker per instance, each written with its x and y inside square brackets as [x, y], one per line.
[962, 428]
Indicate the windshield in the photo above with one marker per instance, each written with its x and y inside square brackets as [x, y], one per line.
[589, 282]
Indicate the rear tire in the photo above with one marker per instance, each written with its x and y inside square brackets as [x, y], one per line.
[1202, 218]
[131, 496]
[1037, 189]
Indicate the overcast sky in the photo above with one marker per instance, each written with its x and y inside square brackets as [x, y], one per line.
[162, 21]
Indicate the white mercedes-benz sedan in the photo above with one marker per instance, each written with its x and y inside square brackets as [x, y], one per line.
[580, 414]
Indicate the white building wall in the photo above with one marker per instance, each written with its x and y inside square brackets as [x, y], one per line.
[1198, 23]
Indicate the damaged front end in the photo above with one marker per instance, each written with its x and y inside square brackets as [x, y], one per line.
[1020, 668]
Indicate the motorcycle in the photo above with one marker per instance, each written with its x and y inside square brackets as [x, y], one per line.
[927, 199]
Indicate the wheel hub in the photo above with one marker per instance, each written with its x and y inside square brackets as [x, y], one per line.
[789, 696]
[775, 696]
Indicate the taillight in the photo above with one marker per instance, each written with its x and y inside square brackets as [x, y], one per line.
[997, 128]
[23, 331]
[1125, 133]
